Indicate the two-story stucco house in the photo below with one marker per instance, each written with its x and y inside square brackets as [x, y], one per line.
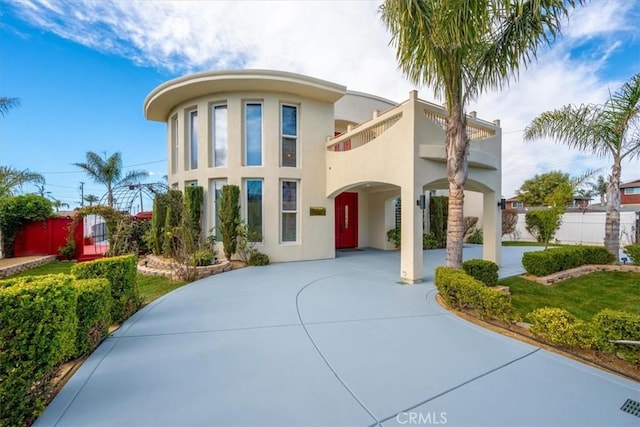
[319, 167]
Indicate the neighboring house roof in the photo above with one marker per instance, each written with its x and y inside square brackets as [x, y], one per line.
[631, 184]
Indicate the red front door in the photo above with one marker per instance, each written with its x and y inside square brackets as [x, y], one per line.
[346, 220]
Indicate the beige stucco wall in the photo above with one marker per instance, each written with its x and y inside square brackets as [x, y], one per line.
[315, 122]
[357, 107]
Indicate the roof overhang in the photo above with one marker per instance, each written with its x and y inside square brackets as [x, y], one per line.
[161, 101]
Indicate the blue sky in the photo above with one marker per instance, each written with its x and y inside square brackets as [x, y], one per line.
[83, 69]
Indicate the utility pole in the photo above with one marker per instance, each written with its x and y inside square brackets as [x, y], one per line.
[81, 194]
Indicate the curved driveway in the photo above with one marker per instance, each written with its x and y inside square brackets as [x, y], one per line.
[328, 343]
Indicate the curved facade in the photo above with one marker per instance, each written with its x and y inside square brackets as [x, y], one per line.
[319, 167]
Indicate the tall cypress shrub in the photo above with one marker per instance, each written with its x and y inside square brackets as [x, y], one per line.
[438, 208]
[157, 223]
[193, 199]
[229, 218]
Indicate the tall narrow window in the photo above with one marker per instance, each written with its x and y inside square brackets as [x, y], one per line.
[193, 139]
[289, 136]
[216, 190]
[289, 211]
[174, 144]
[254, 209]
[253, 134]
[219, 138]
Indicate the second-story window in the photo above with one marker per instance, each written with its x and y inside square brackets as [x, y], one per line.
[253, 134]
[193, 139]
[219, 135]
[289, 136]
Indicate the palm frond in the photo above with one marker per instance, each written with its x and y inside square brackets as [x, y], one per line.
[7, 103]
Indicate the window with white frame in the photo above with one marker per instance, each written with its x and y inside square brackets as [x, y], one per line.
[289, 211]
[289, 136]
[215, 186]
[219, 147]
[174, 144]
[632, 190]
[253, 203]
[253, 134]
[192, 138]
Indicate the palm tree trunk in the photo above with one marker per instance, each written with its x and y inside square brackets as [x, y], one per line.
[457, 171]
[612, 219]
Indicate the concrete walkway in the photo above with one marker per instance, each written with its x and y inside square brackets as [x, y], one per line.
[328, 343]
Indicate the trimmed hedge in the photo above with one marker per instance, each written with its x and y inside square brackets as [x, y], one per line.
[94, 315]
[482, 270]
[559, 327]
[38, 325]
[121, 273]
[612, 325]
[459, 290]
[543, 263]
[634, 253]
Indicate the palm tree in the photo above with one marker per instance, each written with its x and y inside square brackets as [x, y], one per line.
[609, 130]
[108, 171]
[462, 49]
[57, 204]
[7, 103]
[600, 188]
[12, 179]
[91, 199]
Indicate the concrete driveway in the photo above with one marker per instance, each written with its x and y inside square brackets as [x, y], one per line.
[328, 343]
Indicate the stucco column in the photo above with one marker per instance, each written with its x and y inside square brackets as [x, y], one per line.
[491, 228]
[411, 267]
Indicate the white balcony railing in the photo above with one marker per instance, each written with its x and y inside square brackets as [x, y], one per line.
[474, 131]
[355, 138]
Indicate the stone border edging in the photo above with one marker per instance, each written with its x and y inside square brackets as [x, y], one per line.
[161, 267]
[579, 271]
[17, 268]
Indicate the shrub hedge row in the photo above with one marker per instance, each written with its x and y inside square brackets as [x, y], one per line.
[120, 271]
[561, 328]
[46, 320]
[459, 290]
[543, 263]
[38, 326]
[634, 253]
[482, 270]
[94, 315]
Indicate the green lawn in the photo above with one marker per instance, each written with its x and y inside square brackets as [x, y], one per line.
[151, 287]
[583, 296]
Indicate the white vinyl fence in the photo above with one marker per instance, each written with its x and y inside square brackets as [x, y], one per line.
[581, 229]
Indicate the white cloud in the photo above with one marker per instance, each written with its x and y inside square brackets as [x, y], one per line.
[345, 42]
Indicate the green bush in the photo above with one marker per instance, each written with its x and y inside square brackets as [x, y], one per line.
[634, 253]
[394, 235]
[121, 273]
[429, 241]
[259, 259]
[38, 325]
[615, 325]
[459, 290]
[475, 236]
[202, 258]
[543, 263]
[93, 312]
[559, 327]
[482, 270]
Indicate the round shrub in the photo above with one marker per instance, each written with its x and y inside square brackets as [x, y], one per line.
[482, 270]
[202, 258]
[259, 259]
